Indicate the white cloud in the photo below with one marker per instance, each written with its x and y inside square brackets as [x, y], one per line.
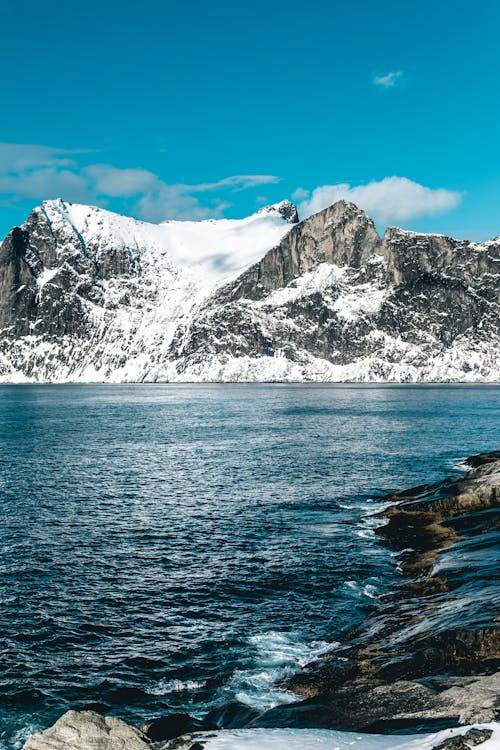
[120, 183]
[392, 199]
[46, 182]
[15, 157]
[33, 171]
[238, 182]
[172, 202]
[39, 172]
[300, 194]
[180, 201]
[389, 80]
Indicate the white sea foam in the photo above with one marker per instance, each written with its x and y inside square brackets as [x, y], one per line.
[166, 687]
[276, 655]
[367, 589]
[21, 736]
[273, 656]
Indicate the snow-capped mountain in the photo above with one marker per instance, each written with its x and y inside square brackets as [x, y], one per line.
[87, 295]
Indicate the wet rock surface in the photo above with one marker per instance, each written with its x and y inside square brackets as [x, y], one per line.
[174, 725]
[431, 652]
[186, 742]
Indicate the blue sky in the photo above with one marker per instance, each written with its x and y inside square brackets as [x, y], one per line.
[216, 108]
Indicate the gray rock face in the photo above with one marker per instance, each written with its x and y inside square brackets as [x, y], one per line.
[405, 704]
[464, 742]
[401, 307]
[341, 234]
[286, 209]
[87, 730]
[332, 301]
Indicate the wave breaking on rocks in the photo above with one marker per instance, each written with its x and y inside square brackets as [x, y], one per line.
[421, 673]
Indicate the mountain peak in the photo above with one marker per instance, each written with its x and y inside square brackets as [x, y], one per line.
[286, 209]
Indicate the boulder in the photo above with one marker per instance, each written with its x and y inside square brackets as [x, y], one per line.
[233, 715]
[88, 730]
[465, 741]
[171, 726]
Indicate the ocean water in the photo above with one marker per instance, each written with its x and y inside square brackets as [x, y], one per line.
[175, 547]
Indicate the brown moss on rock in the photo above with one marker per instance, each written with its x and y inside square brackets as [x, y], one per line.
[482, 458]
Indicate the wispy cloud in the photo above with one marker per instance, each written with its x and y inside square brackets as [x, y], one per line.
[181, 201]
[389, 80]
[39, 172]
[175, 202]
[45, 182]
[15, 157]
[392, 199]
[238, 182]
[108, 180]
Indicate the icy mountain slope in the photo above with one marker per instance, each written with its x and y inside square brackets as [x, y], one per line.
[86, 295]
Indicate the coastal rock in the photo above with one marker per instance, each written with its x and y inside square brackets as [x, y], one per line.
[465, 741]
[431, 651]
[87, 730]
[174, 725]
[401, 705]
[231, 715]
[482, 458]
[186, 742]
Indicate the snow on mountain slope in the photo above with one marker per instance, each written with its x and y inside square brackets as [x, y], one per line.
[214, 248]
[90, 296]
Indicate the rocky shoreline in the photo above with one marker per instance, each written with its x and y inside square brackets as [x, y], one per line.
[427, 659]
[430, 656]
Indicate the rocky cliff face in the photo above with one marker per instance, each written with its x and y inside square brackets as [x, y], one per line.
[86, 295]
[333, 301]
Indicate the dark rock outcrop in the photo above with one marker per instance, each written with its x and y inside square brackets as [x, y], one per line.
[173, 725]
[465, 741]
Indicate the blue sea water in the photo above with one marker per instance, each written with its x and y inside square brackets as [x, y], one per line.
[173, 547]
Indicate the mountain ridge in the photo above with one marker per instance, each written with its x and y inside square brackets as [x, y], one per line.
[90, 296]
